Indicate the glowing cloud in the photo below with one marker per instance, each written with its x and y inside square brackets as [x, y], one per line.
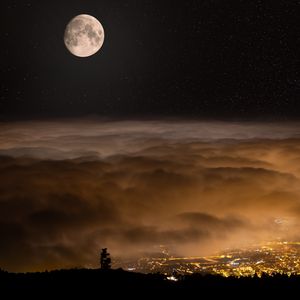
[69, 188]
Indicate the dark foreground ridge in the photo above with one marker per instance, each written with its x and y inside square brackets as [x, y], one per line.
[111, 282]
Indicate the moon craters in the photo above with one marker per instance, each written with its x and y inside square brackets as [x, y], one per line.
[84, 36]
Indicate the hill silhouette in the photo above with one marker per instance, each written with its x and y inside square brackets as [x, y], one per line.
[119, 282]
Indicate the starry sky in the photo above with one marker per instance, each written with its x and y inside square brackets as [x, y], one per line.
[209, 59]
[182, 131]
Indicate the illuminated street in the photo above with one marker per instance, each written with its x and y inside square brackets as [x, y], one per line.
[269, 258]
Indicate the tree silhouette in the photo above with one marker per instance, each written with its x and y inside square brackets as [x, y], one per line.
[105, 260]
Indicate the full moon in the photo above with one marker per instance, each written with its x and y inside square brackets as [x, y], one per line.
[84, 36]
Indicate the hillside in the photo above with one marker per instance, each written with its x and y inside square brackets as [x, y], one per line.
[113, 282]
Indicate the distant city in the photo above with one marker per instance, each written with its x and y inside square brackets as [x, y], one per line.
[267, 258]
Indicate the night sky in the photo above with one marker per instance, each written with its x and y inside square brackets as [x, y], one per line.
[207, 59]
[182, 131]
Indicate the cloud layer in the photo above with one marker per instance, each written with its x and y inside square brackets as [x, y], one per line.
[69, 188]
